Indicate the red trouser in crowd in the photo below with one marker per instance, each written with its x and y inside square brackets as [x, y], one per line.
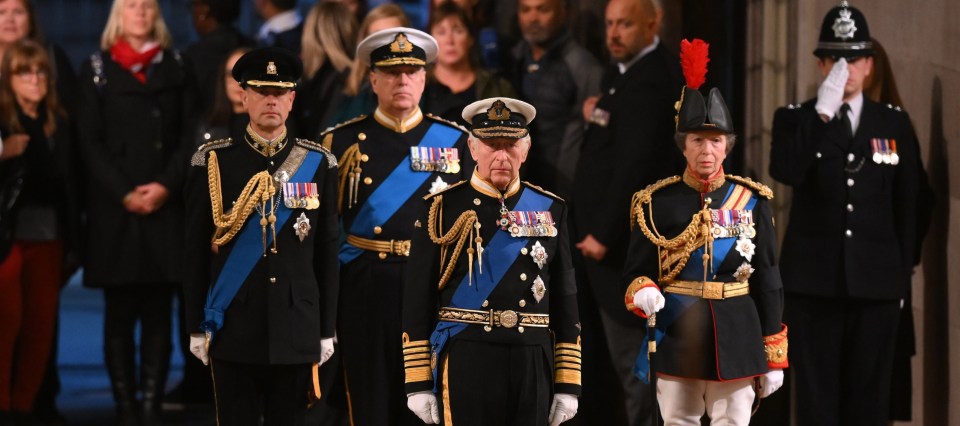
[30, 280]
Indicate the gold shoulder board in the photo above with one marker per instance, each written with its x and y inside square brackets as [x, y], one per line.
[311, 145]
[544, 191]
[445, 121]
[449, 187]
[762, 189]
[200, 157]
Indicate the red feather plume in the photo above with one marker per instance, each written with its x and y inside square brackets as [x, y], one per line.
[693, 60]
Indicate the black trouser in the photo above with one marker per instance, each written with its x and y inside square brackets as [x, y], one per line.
[125, 305]
[841, 356]
[494, 384]
[246, 392]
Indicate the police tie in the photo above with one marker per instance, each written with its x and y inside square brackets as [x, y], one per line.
[845, 120]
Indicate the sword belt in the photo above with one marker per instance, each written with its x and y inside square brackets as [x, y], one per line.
[711, 290]
[492, 318]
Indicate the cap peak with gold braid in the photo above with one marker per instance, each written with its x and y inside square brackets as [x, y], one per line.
[499, 118]
[268, 67]
[396, 47]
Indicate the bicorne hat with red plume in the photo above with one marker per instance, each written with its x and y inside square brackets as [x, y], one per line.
[693, 113]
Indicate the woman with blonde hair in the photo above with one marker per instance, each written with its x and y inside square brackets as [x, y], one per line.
[329, 39]
[134, 127]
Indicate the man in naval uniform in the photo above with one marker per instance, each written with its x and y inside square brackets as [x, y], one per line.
[261, 289]
[388, 162]
[712, 280]
[855, 169]
[490, 322]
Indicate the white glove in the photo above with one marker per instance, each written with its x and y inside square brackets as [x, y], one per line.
[326, 349]
[424, 405]
[770, 382]
[649, 300]
[564, 407]
[830, 93]
[198, 347]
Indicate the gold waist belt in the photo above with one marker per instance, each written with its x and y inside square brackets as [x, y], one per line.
[394, 247]
[492, 318]
[709, 289]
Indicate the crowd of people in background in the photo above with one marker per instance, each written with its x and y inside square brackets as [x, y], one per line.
[109, 147]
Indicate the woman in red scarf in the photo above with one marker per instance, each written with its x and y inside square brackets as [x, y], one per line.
[134, 127]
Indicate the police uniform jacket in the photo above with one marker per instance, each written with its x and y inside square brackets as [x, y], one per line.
[711, 339]
[514, 292]
[131, 133]
[288, 301]
[853, 221]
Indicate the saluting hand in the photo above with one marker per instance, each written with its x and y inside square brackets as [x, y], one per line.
[830, 93]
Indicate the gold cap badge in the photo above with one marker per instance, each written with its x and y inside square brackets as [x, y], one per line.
[401, 44]
[498, 111]
[271, 68]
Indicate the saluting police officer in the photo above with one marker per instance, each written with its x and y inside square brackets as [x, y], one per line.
[388, 161]
[490, 322]
[702, 258]
[261, 292]
[848, 253]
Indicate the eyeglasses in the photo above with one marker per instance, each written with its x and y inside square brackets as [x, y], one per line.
[26, 73]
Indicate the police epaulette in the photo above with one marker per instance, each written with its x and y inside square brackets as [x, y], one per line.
[445, 121]
[309, 144]
[345, 123]
[200, 157]
[449, 187]
[764, 190]
[543, 191]
[895, 107]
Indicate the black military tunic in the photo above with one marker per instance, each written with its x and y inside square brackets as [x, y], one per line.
[703, 338]
[371, 149]
[501, 368]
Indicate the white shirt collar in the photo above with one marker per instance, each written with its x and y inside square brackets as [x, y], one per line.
[856, 108]
[624, 66]
[279, 23]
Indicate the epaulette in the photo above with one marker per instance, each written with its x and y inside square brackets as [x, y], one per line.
[646, 194]
[543, 191]
[449, 187]
[762, 189]
[793, 106]
[895, 107]
[200, 157]
[344, 124]
[311, 145]
[445, 121]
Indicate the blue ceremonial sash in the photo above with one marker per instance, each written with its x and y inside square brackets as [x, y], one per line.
[499, 255]
[677, 304]
[247, 251]
[395, 190]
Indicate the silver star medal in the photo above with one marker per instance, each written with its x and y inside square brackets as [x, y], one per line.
[539, 254]
[438, 185]
[743, 272]
[302, 227]
[538, 289]
[746, 248]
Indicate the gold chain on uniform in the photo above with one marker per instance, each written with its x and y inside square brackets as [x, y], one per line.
[263, 145]
[696, 234]
[465, 226]
[258, 190]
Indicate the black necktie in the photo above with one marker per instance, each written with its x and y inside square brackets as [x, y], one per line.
[845, 119]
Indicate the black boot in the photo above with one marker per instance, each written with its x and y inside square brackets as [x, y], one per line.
[154, 366]
[119, 356]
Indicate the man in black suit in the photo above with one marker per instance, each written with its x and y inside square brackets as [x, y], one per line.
[282, 26]
[626, 148]
[848, 253]
[262, 282]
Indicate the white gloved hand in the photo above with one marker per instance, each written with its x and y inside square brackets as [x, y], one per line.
[198, 347]
[424, 405]
[770, 382]
[564, 407]
[649, 300]
[830, 93]
[326, 349]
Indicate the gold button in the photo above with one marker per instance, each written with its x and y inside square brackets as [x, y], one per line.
[486, 303]
[273, 280]
[476, 201]
[520, 329]
[523, 251]
[377, 230]
[364, 158]
[523, 277]
[707, 200]
[382, 255]
[523, 303]
[367, 180]
[362, 136]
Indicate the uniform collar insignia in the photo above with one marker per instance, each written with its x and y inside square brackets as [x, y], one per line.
[486, 187]
[396, 124]
[704, 186]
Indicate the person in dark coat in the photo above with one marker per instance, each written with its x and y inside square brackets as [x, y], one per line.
[850, 246]
[134, 124]
[282, 26]
[490, 327]
[623, 150]
[388, 161]
[262, 276]
[702, 259]
[213, 20]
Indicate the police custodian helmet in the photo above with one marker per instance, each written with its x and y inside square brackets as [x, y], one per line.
[844, 34]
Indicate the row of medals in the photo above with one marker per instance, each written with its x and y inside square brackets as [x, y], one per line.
[447, 162]
[543, 228]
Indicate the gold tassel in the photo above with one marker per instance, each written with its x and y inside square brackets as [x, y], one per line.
[479, 241]
[263, 225]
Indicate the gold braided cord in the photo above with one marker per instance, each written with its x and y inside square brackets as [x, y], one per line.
[259, 189]
[696, 234]
[348, 161]
[764, 190]
[459, 233]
